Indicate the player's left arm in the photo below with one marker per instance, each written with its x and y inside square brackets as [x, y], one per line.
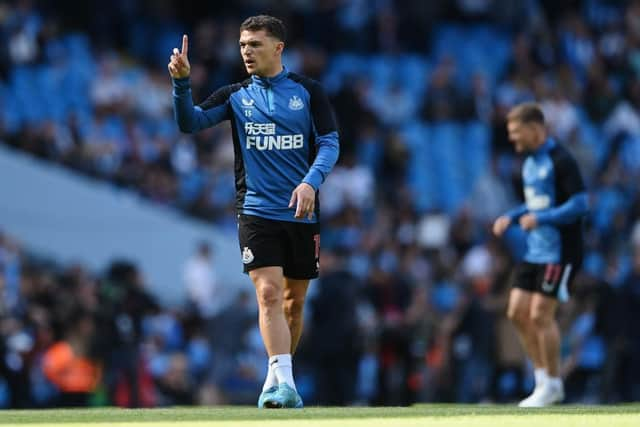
[328, 149]
[326, 131]
[571, 184]
[574, 208]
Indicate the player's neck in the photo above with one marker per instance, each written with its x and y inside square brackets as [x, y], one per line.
[540, 143]
[272, 72]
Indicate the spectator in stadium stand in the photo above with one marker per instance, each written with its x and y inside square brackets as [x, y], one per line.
[391, 295]
[70, 365]
[123, 304]
[203, 288]
[629, 335]
[334, 339]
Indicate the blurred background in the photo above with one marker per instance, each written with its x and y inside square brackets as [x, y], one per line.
[119, 267]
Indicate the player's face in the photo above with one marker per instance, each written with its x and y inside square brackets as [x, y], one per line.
[523, 136]
[260, 53]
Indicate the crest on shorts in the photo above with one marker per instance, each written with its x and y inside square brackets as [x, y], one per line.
[295, 103]
[247, 255]
[547, 286]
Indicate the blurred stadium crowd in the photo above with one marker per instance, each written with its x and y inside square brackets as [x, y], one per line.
[410, 305]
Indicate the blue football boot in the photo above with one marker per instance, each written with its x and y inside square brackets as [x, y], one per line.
[265, 395]
[284, 397]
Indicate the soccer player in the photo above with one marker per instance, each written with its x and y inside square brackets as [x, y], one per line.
[286, 142]
[555, 204]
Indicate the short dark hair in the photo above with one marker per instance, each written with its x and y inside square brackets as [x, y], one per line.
[528, 112]
[272, 25]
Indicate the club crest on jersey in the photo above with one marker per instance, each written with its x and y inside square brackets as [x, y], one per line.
[247, 255]
[295, 103]
[248, 102]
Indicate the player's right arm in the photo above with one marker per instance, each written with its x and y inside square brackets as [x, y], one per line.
[191, 118]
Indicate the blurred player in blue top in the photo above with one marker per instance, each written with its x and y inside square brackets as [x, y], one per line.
[286, 142]
[552, 217]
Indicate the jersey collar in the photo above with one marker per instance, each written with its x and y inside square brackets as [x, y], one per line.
[271, 81]
[544, 148]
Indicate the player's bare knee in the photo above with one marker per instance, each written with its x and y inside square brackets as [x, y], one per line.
[293, 307]
[269, 294]
[518, 317]
[540, 319]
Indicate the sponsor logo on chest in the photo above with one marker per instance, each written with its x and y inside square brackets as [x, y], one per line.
[264, 137]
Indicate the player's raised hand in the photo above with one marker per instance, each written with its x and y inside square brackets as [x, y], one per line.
[179, 67]
[304, 197]
[501, 224]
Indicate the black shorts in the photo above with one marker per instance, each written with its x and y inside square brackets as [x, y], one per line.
[552, 280]
[294, 246]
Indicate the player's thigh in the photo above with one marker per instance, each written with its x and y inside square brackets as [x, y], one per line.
[519, 305]
[272, 275]
[261, 242]
[302, 252]
[523, 283]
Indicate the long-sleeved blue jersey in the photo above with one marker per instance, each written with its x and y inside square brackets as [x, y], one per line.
[554, 191]
[284, 133]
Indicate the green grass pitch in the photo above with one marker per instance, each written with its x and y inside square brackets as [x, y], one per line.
[418, 415]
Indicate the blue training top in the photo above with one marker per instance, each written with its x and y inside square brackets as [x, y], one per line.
[554, 191]
[284, 133]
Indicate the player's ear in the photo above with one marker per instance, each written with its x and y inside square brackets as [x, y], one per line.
[541, 130]
[279, 47]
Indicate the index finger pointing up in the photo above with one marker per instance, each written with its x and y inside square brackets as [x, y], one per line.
[185, 44]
